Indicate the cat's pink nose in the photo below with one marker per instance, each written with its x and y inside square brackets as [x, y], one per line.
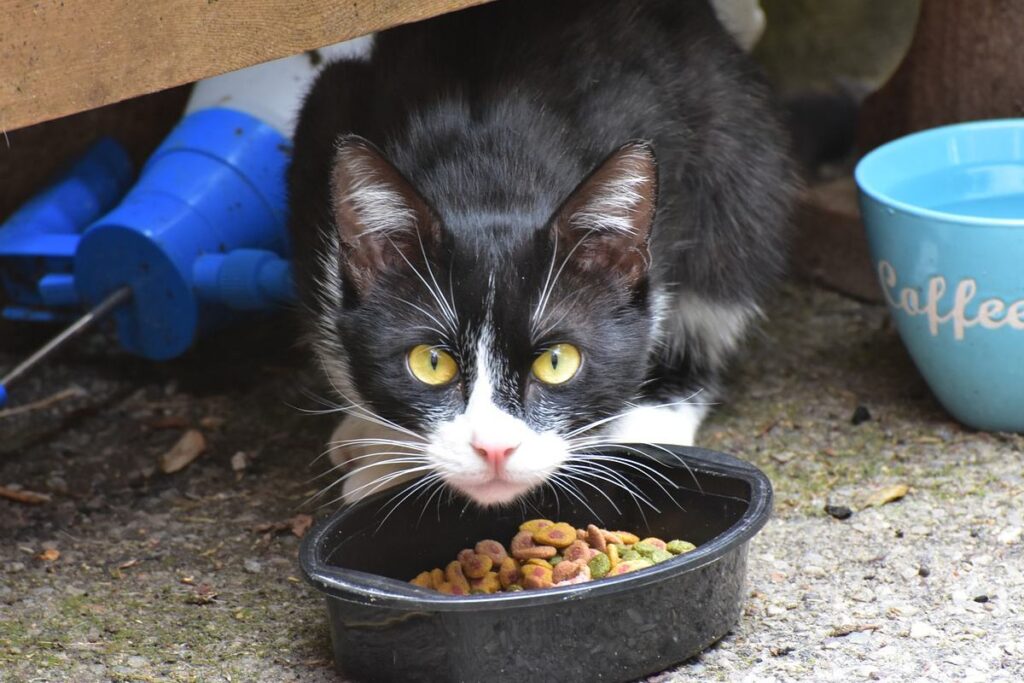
[494, 452]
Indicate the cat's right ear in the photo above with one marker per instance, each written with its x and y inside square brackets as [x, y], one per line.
[383, 223]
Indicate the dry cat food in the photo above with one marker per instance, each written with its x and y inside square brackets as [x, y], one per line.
[545, 554]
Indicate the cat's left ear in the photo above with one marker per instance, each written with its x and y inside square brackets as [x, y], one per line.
[606, 221]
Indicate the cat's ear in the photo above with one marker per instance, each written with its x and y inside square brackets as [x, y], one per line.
[606, 221]
[383, 223]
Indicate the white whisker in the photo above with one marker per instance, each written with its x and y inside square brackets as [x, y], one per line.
[565, 470]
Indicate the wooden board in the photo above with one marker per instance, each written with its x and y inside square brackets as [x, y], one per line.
[58, 57]
[966, 62]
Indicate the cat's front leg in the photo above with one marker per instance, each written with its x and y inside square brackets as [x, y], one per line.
[669, 424]
[370, 456]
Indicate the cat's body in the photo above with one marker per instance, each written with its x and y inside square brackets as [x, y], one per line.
[598, 174]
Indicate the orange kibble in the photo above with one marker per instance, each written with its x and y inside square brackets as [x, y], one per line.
[612, 537]
[475, 566]
[436, 578]
[423, 580]
[488, 583]
[596, 539]
[543, 552]
[539, 561]
[559, 535]
[627, 538]
[626, 566]
[508, 573]
[613, 554]
[536, 577]
[453, 589]
[455, 576]
[492, 549]
[565, 570]
[523, 547]
[577, 550]
[534, 525]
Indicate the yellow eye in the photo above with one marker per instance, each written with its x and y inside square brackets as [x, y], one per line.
[432, 365]
[557, 365]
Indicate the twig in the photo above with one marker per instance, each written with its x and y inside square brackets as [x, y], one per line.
[63, 395]
[22, 496]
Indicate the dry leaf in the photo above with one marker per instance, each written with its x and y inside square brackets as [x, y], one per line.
[212, 422]
[188, 448]
[847, 629]
[23, 496]
[203, 594]
[168, 422]
[49, 555]
[300, 524]
[886, 495]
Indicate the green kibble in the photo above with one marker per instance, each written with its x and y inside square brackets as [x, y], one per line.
[599, 565]
[555, 560]
[629, 554]
[660, 555]
[513, 587]
[645, 549]
[678, 547]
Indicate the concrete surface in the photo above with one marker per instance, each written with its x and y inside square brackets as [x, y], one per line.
[185, 577]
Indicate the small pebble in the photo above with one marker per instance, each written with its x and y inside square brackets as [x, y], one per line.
[920, 629]
[136, 662]
[239, 461]
[860, 415]
[252, 566]
[839, 511]
[1010, 535]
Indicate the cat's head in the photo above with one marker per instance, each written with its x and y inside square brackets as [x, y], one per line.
[498, 344]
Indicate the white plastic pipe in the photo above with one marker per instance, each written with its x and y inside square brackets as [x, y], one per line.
[273, 91]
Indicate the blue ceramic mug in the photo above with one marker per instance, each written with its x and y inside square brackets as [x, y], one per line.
[944, 212]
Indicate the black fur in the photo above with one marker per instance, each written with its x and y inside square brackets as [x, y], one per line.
[494, 115]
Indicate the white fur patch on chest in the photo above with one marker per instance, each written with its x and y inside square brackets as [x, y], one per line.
[709, 330]
[676, 425]
[374, 457]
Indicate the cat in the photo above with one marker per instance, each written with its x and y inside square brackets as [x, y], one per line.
[529, 228]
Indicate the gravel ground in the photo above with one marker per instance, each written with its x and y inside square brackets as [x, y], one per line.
[128, 574]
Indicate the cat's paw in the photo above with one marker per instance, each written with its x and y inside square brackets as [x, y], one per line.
[360, 449]
[676, 424]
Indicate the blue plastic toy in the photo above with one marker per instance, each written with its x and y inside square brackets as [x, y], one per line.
[200, 236]
[38, 242]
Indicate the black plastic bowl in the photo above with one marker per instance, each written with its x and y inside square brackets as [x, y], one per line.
[615, 629]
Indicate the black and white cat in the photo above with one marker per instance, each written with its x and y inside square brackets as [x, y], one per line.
[529, 228]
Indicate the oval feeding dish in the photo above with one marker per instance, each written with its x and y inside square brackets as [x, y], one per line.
[612, 629]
